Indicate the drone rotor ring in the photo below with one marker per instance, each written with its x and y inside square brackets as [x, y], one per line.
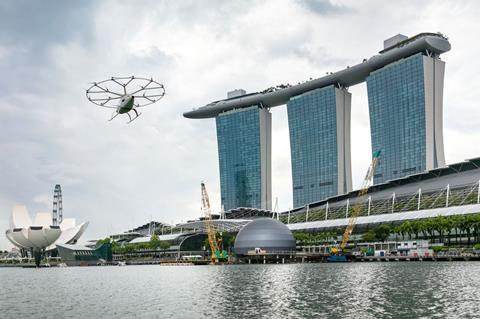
[145, 91]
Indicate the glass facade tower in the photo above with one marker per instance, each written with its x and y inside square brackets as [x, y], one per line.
[244, 151]
[405, 106]
[319, 125]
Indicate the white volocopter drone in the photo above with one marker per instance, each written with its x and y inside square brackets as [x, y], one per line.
[142, 92]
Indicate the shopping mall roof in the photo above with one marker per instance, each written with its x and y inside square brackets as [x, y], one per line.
[168, 237]
[228, 225]
[149, 225]
[387, 218]
[458, 174]
[234, 225]
[247, 213]
[432, 43]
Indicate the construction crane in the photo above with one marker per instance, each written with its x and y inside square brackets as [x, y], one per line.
[217, 254]
[338, 253]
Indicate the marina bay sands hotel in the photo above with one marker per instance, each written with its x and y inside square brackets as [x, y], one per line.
[405, 98]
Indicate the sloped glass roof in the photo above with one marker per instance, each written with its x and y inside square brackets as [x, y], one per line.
[386, 218]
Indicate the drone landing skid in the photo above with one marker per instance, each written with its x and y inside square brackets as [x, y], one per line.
[114, 115]
[133, 119]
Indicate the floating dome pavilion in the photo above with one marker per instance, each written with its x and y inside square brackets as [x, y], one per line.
[266, 234]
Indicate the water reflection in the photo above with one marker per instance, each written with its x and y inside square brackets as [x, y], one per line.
[360, 290]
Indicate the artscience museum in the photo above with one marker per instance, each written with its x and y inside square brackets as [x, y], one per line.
[40, 234]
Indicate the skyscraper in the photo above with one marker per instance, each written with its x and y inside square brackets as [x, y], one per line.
[405, 103]
[319, 124]
[244, 152]
[405, 96]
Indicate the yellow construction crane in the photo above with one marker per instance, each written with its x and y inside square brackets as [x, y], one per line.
[217, 254]
[357, 209]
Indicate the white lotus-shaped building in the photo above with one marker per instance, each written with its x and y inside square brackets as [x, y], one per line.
[40, 234]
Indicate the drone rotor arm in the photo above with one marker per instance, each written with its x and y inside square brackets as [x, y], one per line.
[104, 99]
[150, 98]
[121, 84]
[130, 80]
[142, 88]
[154, 88]
[105, 90]
[147, 96]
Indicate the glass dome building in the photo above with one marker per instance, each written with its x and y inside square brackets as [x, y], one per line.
[266, 235]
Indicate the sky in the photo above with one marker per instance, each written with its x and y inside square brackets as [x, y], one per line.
[119, 176]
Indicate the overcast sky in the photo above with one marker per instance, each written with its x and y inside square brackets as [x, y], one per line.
[118, 176]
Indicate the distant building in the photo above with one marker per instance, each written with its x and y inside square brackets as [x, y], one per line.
[244, 153]
[264, 236]
[391, 42]
[77, 255]
[126, 237]
[145, 230]
[446, 191]
[39, 235]
[406, 104]
[405, 93]
[319, 125]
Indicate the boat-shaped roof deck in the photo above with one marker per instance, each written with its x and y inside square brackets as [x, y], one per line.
[430, 43]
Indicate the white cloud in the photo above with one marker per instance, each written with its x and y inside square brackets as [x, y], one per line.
[116, 175]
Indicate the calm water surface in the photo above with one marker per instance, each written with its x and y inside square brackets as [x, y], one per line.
[360, 290]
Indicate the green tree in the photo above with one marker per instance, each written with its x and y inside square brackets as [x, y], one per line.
[301, 237]
[400, 229]
[476, 227]
[466, 227]
[154, 243]
[118, 249]
[369, 236]
[416, 227]
[437, 248]
[456, 224]
[107, 240]
[448, 227]
[382, 232]
[427, 226]
[408, 229]
[164, 245]
[227, 240]
[440, 225]
[129, 248]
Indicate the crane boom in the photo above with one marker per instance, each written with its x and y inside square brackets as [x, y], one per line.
[217, 254]
[212, 238]
[360, 200]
